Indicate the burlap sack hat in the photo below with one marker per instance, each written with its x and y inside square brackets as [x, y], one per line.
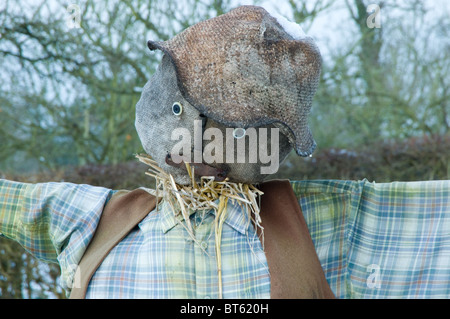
[243, 69]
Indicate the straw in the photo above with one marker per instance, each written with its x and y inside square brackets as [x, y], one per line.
[202, 196]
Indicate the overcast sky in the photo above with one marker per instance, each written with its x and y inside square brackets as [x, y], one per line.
[330, 25]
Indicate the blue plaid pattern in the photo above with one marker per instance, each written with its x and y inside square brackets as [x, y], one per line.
[156, 260]
[389, 240]
[53, 221]
[159, 260]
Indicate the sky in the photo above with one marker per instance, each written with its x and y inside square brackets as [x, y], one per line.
[330, 27]
[334, 25]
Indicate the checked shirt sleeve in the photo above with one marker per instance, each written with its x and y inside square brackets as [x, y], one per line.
[380, 240]
[53, 221]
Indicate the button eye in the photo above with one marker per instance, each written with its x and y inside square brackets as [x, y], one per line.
[238, 133]
[177, 108]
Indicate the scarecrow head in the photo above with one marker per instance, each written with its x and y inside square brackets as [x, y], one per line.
[231, 97]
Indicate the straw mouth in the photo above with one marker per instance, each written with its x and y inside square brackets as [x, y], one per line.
[203, 196]
[200, 169]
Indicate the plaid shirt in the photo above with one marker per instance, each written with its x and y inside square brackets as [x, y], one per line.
[387, 240]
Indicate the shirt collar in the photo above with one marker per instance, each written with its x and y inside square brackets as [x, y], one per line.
[237, 217]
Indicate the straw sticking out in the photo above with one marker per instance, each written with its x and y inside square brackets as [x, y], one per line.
[187, 199]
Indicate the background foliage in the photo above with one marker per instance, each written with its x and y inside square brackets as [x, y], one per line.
[67, 96]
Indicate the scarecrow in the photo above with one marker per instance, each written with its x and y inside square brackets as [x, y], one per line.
[227, 104]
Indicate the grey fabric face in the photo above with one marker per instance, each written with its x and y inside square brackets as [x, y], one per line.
[267, 162]
[155, 120]
[156, 123]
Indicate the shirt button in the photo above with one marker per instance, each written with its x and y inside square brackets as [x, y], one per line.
[207, 297]
[204, 245]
